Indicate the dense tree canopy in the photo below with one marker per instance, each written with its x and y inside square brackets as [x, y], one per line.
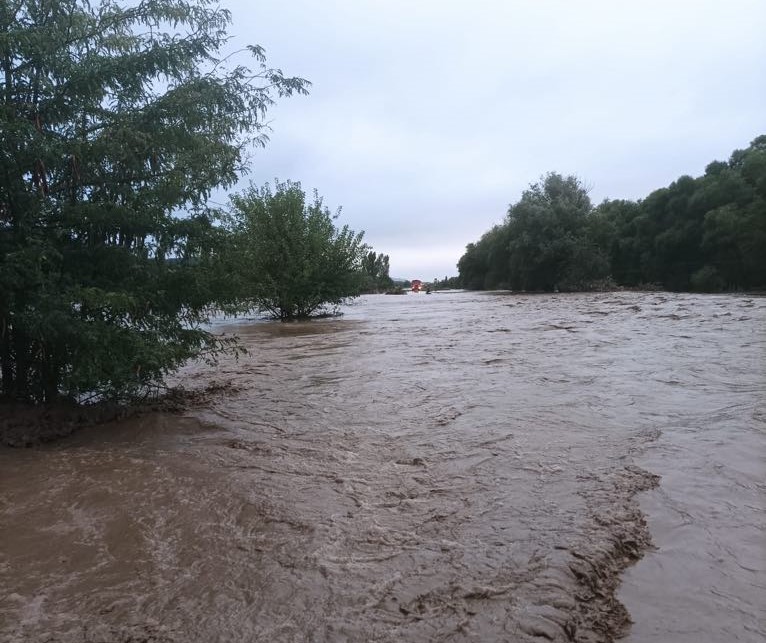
[706, 233]
[116, 123]
[292, 260]
[542, 245]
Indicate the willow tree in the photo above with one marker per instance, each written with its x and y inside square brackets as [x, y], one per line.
[116, 123]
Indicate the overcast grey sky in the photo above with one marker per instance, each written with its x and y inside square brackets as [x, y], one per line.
[427, 118]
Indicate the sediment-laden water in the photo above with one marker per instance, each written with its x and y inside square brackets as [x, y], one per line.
[452, 467]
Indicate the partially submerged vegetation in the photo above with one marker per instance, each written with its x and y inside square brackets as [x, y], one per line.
[290, 258]
[117, 124]
[706, 234]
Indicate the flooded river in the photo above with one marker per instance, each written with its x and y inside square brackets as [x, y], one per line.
[453, 467]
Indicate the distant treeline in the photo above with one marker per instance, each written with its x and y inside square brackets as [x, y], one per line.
[706, 234]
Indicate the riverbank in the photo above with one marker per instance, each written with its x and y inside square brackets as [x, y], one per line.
[25, 425]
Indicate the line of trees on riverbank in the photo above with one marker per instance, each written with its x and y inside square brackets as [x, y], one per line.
[117, 124]
[705, 234]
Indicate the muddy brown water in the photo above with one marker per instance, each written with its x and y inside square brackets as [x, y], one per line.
[452, 467]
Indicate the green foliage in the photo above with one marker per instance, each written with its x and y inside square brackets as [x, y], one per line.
[707, 279]
[447, 283]
[706, 233]
[116, 124]
[543, 244]
[547, 246]
[292, 260]
[485, 263]
[375, 268]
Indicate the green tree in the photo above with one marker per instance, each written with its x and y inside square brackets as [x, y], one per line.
[471, 267]
[549, 246]
[484, 265]
[709, 232]
[734, 225]
[549, 239]
[292, 260]
[706, 233]
[376, 267]
[116, 124]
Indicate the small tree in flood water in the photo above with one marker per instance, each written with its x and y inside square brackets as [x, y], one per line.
[292, 260]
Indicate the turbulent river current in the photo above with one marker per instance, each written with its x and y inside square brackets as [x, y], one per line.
[452, 467]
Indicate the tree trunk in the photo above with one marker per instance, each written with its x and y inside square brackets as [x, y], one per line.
[50, 378]
[6, 361]
[21, 388]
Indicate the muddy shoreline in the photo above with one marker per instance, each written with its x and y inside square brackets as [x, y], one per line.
[24, 425]
[459, 468]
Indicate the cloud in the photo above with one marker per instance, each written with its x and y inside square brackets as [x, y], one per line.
[428, 118]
